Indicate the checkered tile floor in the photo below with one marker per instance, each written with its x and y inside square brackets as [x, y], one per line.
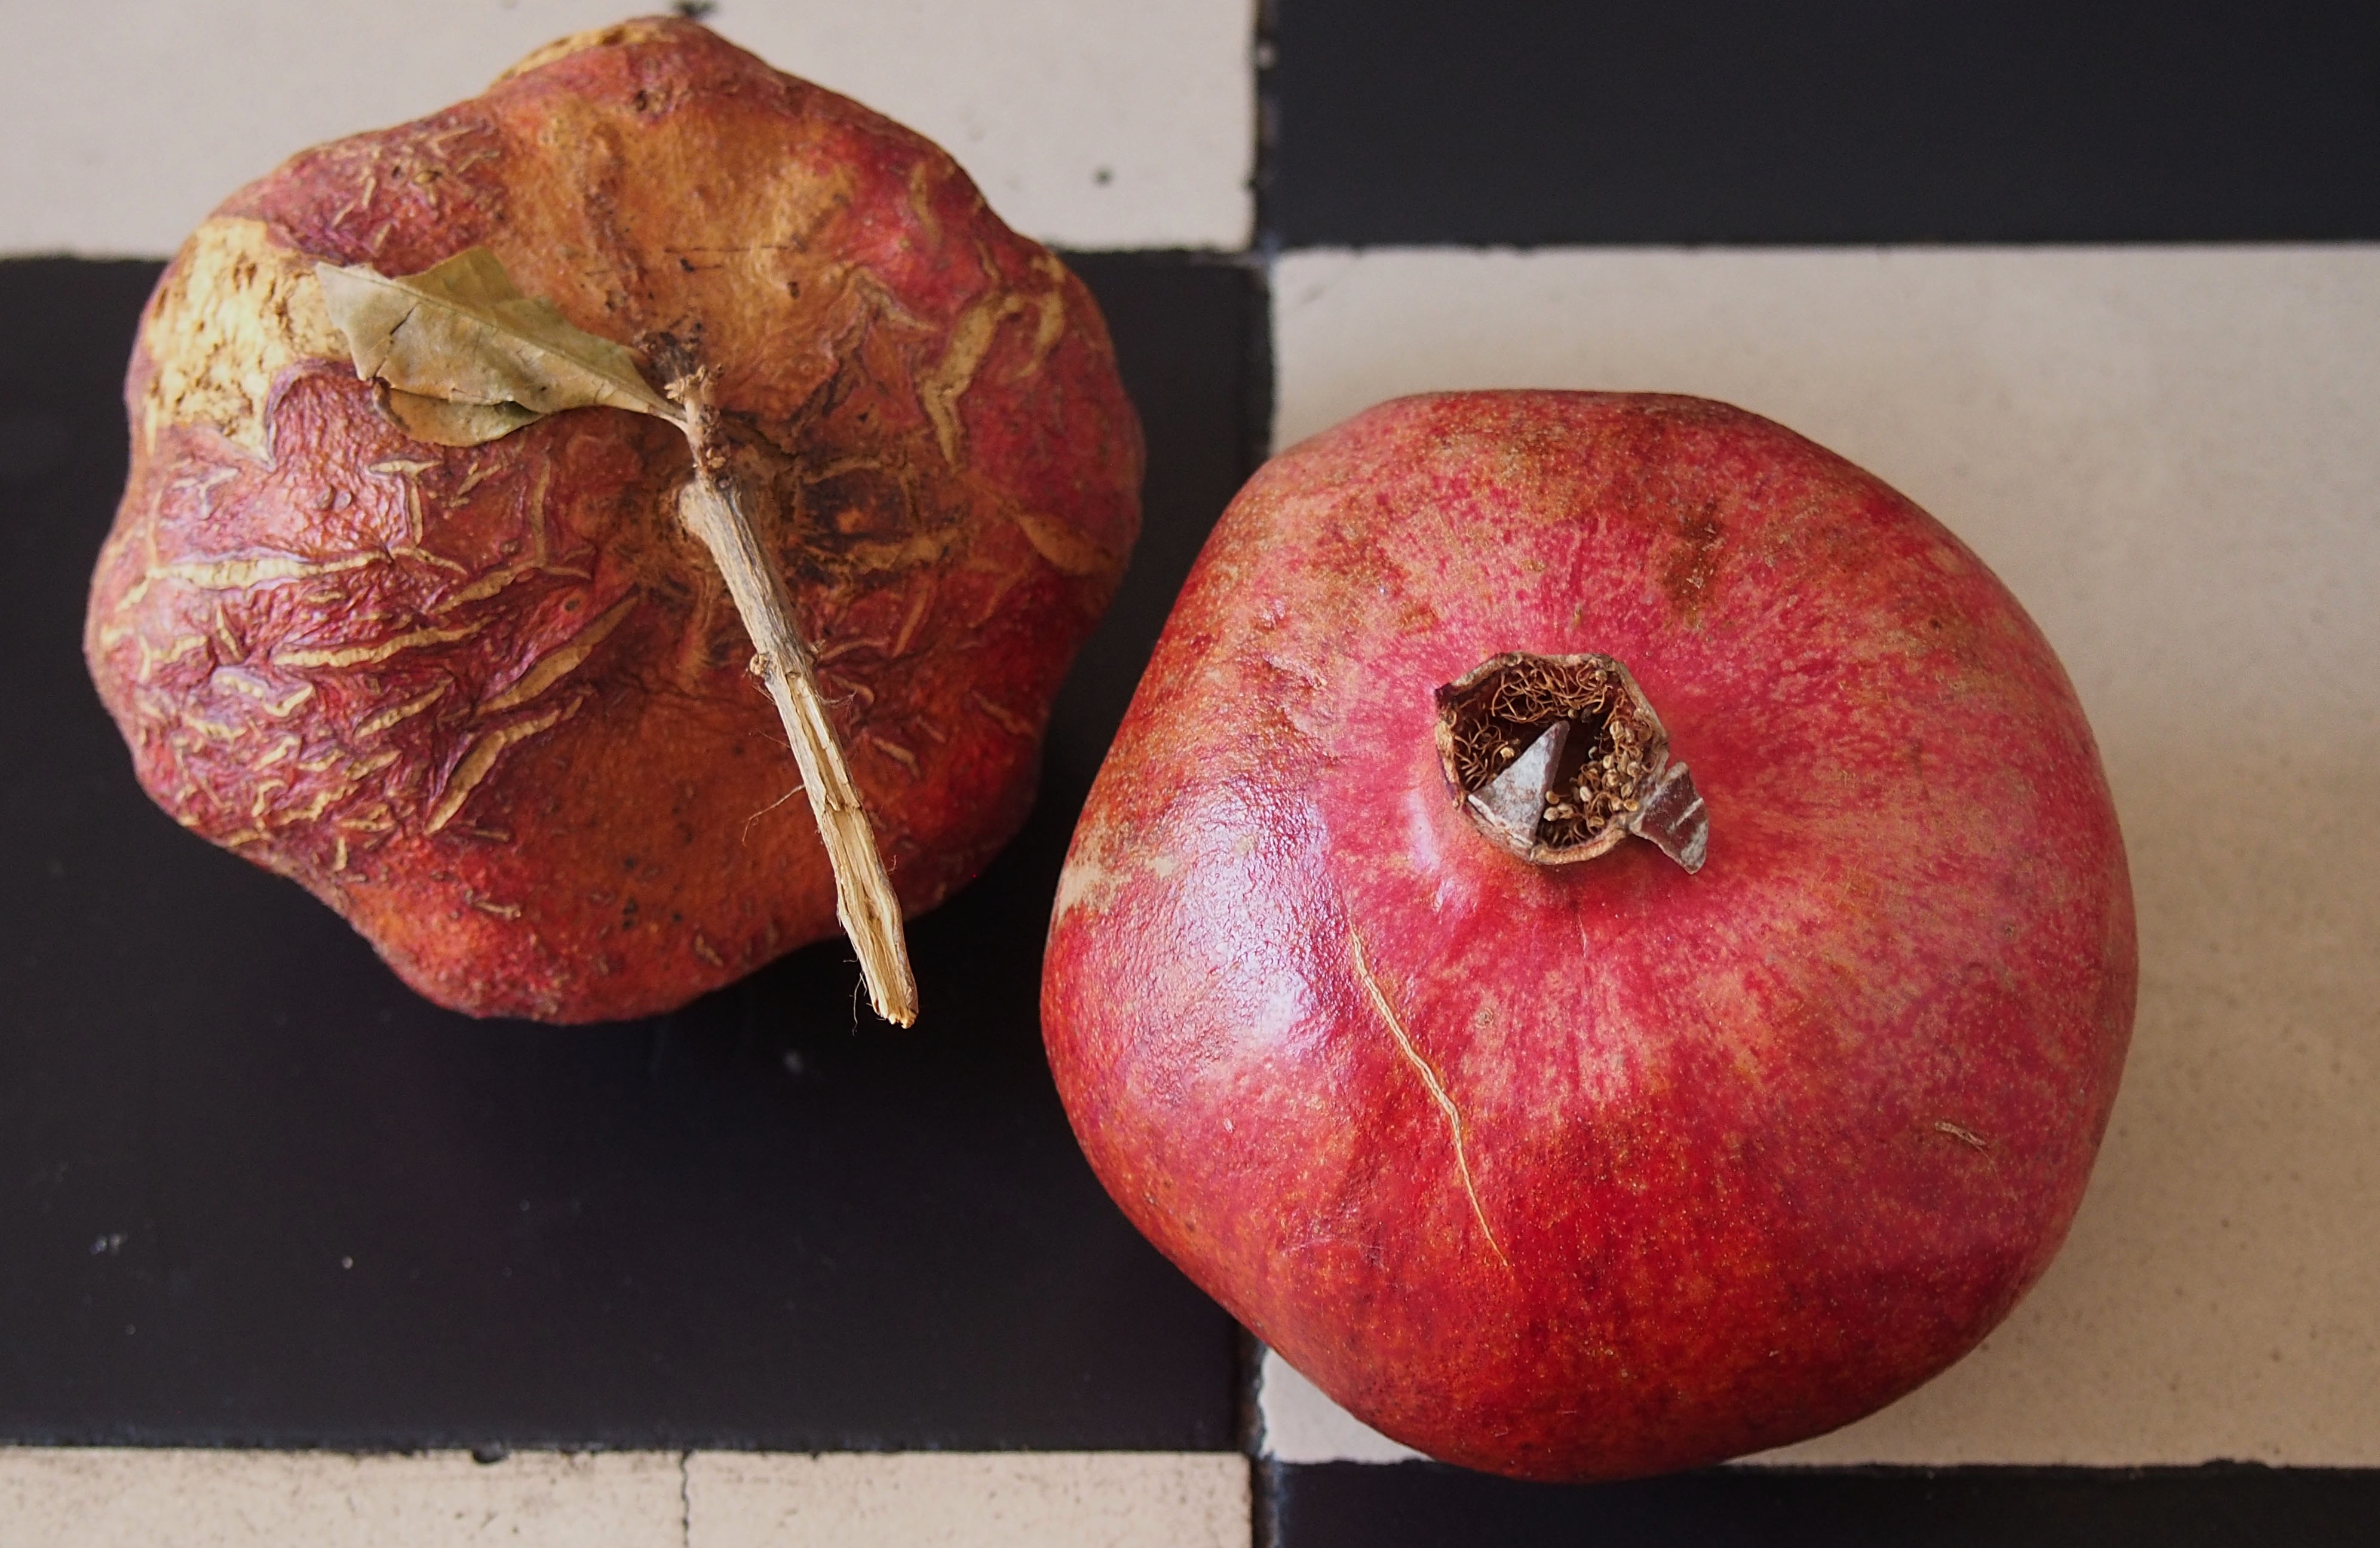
[280, 1248]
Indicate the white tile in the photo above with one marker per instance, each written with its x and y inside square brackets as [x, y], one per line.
[1020, 1499]
[104, 1498]
[1299, 1425]
[166, 1498]
[126, 122]
[2172, 455]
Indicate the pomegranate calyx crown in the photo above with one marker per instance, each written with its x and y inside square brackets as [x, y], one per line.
[1556, 758]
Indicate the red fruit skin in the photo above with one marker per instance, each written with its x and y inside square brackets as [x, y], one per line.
[491, 703]
[1755, 1151]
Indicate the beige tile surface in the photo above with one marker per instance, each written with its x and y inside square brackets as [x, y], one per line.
[74, 1499]
[998, 1500]
[2172, 455]
[102, 1499]
[1087, 122]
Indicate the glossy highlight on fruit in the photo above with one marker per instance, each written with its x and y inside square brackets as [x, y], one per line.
[1597, 1168]
[492, 703]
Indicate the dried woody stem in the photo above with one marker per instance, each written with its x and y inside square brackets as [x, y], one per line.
[462, 356]
[715, 509]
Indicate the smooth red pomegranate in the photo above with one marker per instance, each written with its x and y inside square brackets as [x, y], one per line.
[1535, 1149]
[491, 702]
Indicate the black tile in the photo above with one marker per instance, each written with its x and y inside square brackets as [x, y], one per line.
[253, 1192]
[1424, 1506]
[1193, 334]
[1544, 121]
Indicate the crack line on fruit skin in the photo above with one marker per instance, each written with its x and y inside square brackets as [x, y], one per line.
[560, 661]
[396, 714]
[367, 654]
[1437, 1091]
[479, 760]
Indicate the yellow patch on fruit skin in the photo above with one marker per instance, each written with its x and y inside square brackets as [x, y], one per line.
[1005, 719]
[1087, 883]
[640, 29]
[939, 389]
[1051, 304]
[268, 698]
[921, 202]
[240, 574]
[236, 310]
[344, 656]
[1065, 547]
[396, 713]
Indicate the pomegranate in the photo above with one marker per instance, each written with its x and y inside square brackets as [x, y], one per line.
[462, 670]
[1602, 938]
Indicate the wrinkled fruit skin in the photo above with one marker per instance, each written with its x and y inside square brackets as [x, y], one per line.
[1752, 1151]
[491, 704]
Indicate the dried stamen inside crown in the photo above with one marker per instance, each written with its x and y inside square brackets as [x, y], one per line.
[1558, 758]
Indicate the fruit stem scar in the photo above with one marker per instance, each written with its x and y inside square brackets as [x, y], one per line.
[712, 507]
[1437, 1092]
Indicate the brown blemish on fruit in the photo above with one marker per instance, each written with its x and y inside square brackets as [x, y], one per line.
[236, 310]
[1437, 1087]
[1686, 578]
[910, 620]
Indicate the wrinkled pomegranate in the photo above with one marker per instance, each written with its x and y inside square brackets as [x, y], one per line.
[1536, 1149]
[490, 702]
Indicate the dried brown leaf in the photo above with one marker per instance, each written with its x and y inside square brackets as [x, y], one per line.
[454, 424]
[462, 332]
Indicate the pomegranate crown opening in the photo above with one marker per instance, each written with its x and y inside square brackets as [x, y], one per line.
[1558, 758]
